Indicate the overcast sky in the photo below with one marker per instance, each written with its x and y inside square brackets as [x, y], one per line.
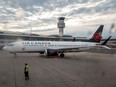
[82, 17]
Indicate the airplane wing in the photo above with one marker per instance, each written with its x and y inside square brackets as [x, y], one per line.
[70, 49]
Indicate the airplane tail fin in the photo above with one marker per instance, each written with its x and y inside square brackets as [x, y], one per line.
[97, 35]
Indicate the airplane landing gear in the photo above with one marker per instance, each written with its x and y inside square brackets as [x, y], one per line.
[62, 55]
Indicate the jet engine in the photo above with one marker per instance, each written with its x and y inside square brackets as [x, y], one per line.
[51, 52]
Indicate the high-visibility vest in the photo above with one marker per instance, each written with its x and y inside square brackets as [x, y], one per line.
[26, 68]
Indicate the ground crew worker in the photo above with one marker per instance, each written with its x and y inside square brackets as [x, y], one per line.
[26, 71]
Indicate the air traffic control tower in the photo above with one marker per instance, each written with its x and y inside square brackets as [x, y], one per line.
[61, 25]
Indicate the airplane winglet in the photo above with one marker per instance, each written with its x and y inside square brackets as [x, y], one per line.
[106, 47]
[105, 42]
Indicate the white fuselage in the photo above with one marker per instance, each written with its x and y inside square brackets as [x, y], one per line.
[40, 46]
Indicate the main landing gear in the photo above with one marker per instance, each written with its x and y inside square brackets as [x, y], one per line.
[62, 55]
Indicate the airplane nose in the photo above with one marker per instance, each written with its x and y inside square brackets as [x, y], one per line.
[5, 48]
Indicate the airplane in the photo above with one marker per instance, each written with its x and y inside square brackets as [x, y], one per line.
[55, 48]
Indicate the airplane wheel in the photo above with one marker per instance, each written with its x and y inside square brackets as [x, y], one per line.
[62, 55]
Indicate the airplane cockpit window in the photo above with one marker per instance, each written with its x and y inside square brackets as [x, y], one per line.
[10, 44]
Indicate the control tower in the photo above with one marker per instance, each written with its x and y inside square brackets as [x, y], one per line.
[61, 25]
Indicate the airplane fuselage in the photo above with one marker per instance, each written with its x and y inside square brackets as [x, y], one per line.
[41, 46]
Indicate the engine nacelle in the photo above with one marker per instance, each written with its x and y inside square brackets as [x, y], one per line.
[51, 52]
[41, 52]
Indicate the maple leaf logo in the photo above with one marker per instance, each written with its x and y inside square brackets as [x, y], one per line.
[97, 37]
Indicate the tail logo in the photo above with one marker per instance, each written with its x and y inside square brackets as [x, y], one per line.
[97, 37]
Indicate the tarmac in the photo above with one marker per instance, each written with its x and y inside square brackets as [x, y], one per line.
[81, 69]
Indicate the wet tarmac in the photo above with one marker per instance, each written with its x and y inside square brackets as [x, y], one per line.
[83, 69]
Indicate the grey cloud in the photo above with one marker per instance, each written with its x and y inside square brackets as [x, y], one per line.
[38, 30]
[51, 5]
[18, 27]
[48, 4]
[48, 21]
[7, 15]
[41, 22]
[80, 11]
[104, 8]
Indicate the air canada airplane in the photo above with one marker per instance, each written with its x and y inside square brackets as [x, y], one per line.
[55, 48]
